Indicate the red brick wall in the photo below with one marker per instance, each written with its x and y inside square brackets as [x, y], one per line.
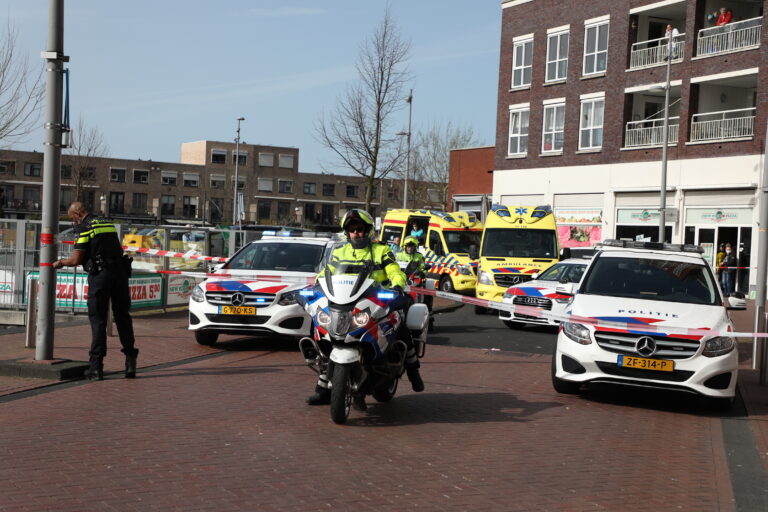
[468, 171]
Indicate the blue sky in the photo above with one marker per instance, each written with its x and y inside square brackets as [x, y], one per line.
[151, 74]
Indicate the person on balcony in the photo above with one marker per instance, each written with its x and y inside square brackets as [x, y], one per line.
[725, 17]
[671, 36]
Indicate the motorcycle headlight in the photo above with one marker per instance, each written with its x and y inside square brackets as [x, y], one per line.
[287, 299]
[464, 270]
[361, 319]
[577, 333]
[485, 278]
[323, 319]
[718, 346]
[198, 295]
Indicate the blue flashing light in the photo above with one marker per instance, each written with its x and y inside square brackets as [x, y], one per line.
[260, 300]
[386, 295]
[307, 293]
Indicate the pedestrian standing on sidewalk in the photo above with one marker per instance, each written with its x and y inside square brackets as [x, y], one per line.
[98, 249]
[719, 263]
[729, 272]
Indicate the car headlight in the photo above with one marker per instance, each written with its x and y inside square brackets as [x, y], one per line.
[198, 295]
[718, 346]
[323, 319]
[508, 295]
[464, 270]
[485, 278]
[564, 300]
[361, 319]
[577, 333]
[287, 299]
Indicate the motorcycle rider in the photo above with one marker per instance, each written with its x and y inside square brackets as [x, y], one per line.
[410, 253]
[360, 248]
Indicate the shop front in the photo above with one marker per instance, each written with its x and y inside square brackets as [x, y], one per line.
[640, 224]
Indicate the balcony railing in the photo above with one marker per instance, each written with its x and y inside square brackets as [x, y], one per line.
[740, 35]
[654, 52]
[650, 132]
[724, 125]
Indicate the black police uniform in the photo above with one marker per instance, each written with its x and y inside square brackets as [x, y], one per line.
[108, 273]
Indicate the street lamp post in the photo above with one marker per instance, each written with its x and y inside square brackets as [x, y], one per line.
[235, 216]
[664, 147]
[409, 100]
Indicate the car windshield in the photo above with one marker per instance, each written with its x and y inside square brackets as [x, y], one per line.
[282, 256]
[462, 242]
[651, 279]
[563, 273]
[519, 243]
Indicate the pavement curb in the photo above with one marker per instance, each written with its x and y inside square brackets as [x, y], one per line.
[57, 369]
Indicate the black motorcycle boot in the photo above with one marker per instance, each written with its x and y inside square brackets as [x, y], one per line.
[130, 367]
[358, 403]
[322, 396]
[94, 373]
[415, 377]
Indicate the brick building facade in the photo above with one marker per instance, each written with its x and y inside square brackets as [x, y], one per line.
[470, 179]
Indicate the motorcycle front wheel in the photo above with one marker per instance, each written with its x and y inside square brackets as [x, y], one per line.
[387, 391]
[341, 393]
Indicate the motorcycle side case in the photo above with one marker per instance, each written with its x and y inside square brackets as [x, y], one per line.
[418, 317]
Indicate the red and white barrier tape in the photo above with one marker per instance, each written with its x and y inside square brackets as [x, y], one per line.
[190, 255]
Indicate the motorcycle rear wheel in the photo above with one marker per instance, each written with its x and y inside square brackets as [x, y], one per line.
[386, 392]
[341, 393]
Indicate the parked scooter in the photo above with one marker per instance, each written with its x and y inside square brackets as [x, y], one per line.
[355, 326]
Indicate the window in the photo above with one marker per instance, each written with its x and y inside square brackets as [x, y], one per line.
[89, 173]
[31, 169]
[435, 244]
[241, 160]
[218, 156]
[264, 184]
[217, 180]
[285, 161]
[31, 198]
[518, 131]
[351, 190]
[595, 48]
[8, 196]
[139, 202]
[189, 208]
[66, 171]
[240, 182]
[311, 213]
[167, 205]
[392, 193]
[283, 211]
[117, 175]
[216, 208]
[9, 167]
[328, 214]
[267, 159]
[591, 130]
[522, 63]
[168, 177]
[310, 188]
[265, 209]
[116, 203]
[191, 180]
[554, 133]
[557, 56]
[285, 186]
[329, 189]
[65, 198]
[140, 177]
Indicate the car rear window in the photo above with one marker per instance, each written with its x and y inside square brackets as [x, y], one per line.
[281, 256]
[651, 279]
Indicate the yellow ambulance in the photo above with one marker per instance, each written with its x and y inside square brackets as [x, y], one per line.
[449, 241]
[518, 242]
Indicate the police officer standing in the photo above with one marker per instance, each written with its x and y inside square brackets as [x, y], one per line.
[99, 250]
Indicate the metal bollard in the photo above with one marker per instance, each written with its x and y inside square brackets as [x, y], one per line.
[29, 341]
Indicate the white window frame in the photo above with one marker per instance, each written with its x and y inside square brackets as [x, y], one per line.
[591, 104]
[516, 114]
[219, 152]
[264, 184]
[191, 176]
[218, 178]
[557, 59]
[553, 107]
[521, 66]
[283, 161]
[266, 159]
[290, 191]
[240, 182]
[166, 175]
[112, 176]
[146, 174]
[242, 153]
[596, 26]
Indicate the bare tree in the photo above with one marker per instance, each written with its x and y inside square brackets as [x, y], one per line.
[21, 91]
[358, 130]
[431, 158]
[87, 147]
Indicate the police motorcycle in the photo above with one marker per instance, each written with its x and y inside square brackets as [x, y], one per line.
[355, 326]
[418, 279]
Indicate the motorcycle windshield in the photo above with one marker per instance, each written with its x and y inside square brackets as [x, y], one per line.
[345, 282]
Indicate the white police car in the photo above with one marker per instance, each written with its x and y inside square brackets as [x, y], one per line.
[257, 295]
[656, 302]
[542, 293]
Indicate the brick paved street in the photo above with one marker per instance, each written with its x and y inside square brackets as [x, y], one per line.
[226, 428]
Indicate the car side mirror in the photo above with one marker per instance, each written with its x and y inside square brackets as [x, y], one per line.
[566, 289]
[565, 253]
[534, 276]
[737, 301]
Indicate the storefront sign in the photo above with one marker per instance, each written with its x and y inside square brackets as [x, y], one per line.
[723, 216]
[180, 289]
[72, 290]
[579, 227]
[637, 216]
[579, 216]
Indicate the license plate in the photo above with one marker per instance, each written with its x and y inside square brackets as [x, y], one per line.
[643, 363]
[237, 310]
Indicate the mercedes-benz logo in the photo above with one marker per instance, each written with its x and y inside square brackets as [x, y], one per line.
[646, 346]
[515, 279]
[238, 299]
